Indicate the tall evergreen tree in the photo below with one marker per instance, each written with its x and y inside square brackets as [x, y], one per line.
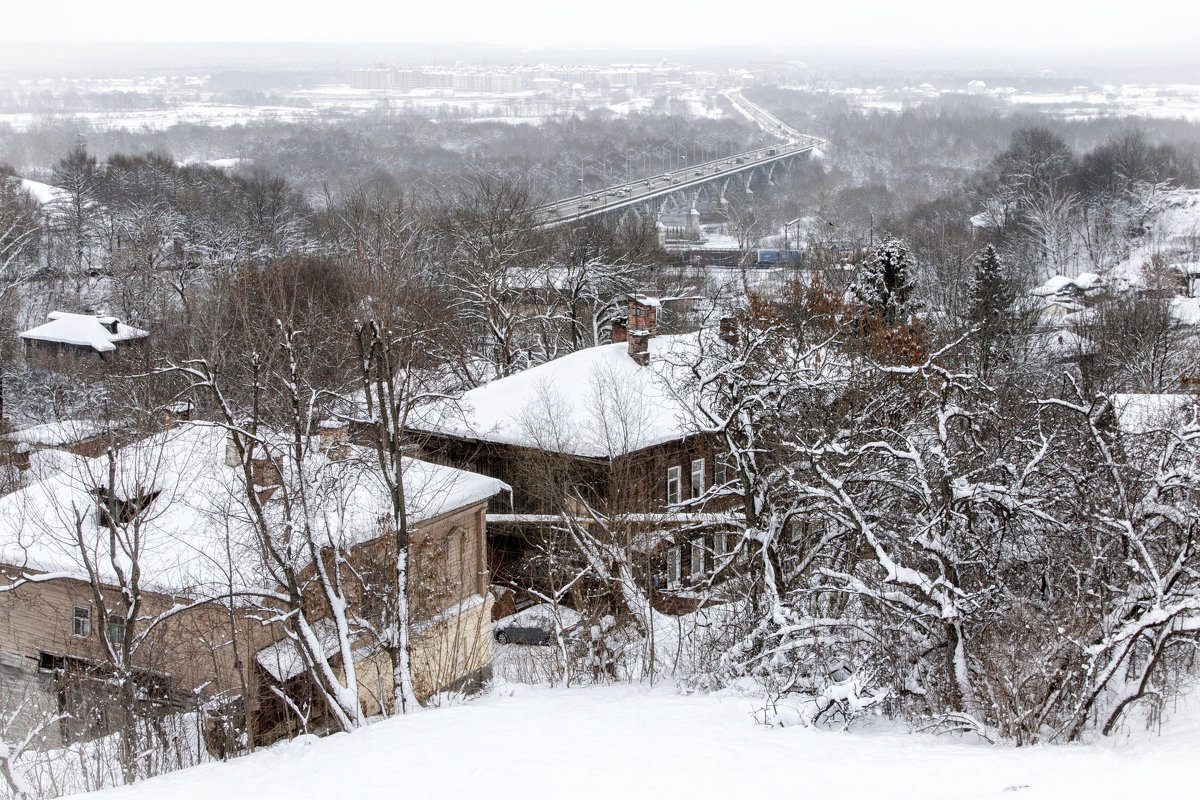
[886, 285]
[990, 310]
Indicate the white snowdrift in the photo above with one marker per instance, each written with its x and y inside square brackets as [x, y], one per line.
[633, 742]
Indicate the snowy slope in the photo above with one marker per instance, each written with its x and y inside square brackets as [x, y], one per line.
[633, 742]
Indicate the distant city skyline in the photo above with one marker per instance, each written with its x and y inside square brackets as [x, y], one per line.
[939, 24]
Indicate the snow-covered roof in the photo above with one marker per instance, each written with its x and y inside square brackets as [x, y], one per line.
[44, 193]
[646, 300]
[85, 330]
[1053, 285]
[55, 434]
[983, 219]
[1084, 282]
[195, 531]
[1185, 310]
[283, 660]
[595, 402]
[1143, 413]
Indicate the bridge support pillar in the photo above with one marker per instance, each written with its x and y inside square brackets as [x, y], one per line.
[693, 218]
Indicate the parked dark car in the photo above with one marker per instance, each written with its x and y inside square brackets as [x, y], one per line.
[535, 625]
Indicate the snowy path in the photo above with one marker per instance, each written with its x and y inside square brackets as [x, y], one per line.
[632, 742]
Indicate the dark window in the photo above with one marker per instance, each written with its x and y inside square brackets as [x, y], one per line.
[116, 628]
[81, 624]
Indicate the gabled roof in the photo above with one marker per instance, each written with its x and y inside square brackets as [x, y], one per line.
[55, 434]
[195, 531]
[1058, 284]
[84, 330]
[597, 402]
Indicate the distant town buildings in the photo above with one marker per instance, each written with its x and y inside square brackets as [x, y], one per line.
[509, 79]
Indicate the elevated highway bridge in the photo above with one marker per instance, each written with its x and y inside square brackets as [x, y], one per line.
[721, 172]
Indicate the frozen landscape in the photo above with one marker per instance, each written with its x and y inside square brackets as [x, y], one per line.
[710, 401]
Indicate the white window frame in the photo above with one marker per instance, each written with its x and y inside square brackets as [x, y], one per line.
[85, 618]
[719, 470]
[720, 544]
[674, 567]
[674, 485]
[697, 477]
[697, 565]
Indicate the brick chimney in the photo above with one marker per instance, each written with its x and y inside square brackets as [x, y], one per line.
[729, 331]
[334, 437]
[642, 326]
[639, 347]
[620, 332]
[643, 313]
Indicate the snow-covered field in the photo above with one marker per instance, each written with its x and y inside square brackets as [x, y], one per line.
[634, 741]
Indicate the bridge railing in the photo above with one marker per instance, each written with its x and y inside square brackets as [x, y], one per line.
[632, 192]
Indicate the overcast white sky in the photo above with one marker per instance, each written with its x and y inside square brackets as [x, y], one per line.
[987, 24]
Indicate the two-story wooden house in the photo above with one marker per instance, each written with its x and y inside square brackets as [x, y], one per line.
[167, 517]
[602, 432]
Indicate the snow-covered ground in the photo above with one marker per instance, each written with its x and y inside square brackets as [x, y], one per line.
[634, 741]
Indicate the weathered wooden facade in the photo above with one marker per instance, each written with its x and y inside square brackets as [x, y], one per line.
[211, 655]
[647, 484]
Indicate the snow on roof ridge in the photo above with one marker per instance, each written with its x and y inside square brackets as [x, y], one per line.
[198, 508]
[84, 330]
[586, 391]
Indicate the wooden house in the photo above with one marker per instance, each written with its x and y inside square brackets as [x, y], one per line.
[65, 336]
[60, 583]
[604, 430]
